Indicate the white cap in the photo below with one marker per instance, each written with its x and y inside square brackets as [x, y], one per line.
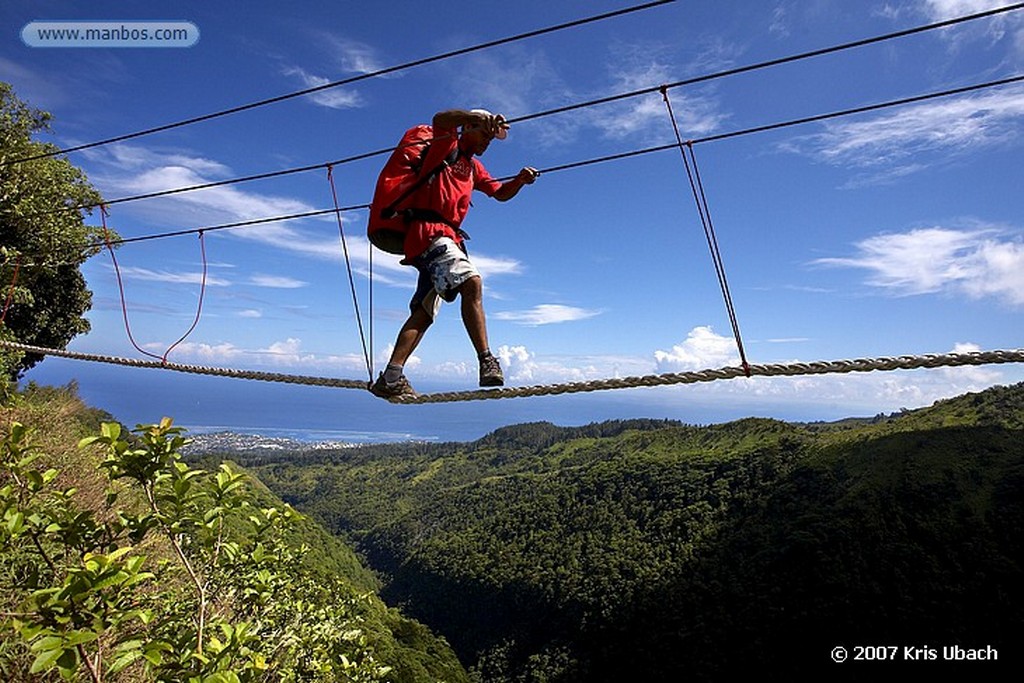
[502, 132]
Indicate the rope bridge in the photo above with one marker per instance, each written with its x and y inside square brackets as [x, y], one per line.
[760, 370]
[696, 185]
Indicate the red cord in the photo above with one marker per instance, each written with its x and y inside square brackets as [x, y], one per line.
[202, 294]
[124, 303]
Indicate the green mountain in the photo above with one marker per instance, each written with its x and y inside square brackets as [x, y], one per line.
[403, 648]
[657, 551]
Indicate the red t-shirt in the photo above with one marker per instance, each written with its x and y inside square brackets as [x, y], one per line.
[448, 193]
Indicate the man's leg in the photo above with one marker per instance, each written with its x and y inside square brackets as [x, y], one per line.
[392, 382]
[472, 293]
[409, 336]
[473, 317]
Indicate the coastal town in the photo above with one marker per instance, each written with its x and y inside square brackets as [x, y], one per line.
[233, 442]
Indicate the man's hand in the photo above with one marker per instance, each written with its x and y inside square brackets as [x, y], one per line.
[492, 124]
[510, 189]
[527, 175]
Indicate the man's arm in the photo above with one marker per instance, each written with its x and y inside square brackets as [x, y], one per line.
[454, 118]
[510, 189]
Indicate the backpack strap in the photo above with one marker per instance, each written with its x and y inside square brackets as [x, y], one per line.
[391, 210]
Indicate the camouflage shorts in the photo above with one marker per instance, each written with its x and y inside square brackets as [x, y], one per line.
[443, 268]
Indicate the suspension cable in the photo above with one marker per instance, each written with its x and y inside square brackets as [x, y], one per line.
[348, 81]
[593, 161]
[773, 62]
[612, 157]
[589, 103]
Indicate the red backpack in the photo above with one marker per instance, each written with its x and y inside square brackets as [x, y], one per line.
[398, 180]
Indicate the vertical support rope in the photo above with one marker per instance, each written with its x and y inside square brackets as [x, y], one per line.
[704, 212]
[719, 264]
[369, 286]
[10, 291]
[348, 266]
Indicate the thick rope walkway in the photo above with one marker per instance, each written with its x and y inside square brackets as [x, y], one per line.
[760, 370]
[194, 369]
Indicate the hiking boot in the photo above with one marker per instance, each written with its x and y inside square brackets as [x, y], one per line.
[490, 372]
[400, 388]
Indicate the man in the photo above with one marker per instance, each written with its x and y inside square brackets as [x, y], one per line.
[434, 242]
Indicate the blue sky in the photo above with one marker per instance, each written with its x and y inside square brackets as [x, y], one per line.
[899, 231]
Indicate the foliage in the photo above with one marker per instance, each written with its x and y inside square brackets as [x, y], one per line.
[662, 551]
[43, 239]
[232, 601]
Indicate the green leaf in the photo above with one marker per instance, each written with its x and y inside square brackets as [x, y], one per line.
[88, 441]
[46, 660]
[67, 663]
[222, 677]
[139, 578]
[111, 430]
[119, 553]
[124, 660]
[15, 523]
[50, 642]
[80, 637]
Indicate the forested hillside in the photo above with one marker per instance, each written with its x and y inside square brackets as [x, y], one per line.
[119, 562]
[658, 551]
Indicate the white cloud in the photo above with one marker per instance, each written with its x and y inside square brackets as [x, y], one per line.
[382, 358]
[779, 25]
[355, 56]
[521, 366]
[166, 276]
[805, 397]
[948, 9]
[277, 282]
[701, 350]
[821, 396]
[283, 354]
[512, 83]
[837, 395]
[943, 127]
[887, 11]
[637, 68]
[518, 363]
[490, 266]
[990, 30]
[200, 352]
[340, 97]
[975, 376]
[250, 313]
[547, 314]
[978, 263]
